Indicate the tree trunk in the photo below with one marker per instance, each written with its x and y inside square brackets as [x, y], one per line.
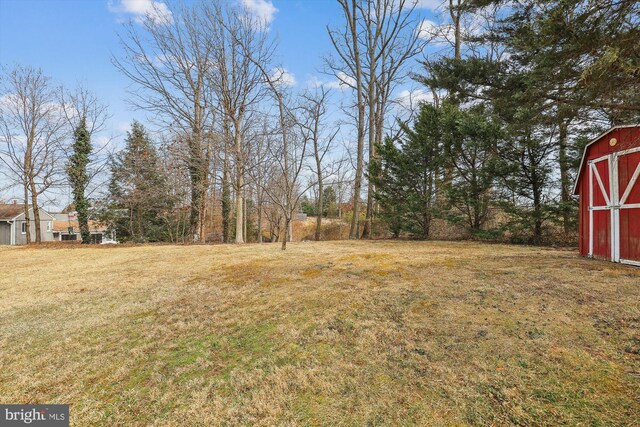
[565, 193]
[366, 232]
[239, 185]
[36, 209]
[259, 217]
[319, 215]
[357, 188]
[287, 223]
[226, 199]
[27, 223]
[537, 212]
[83, 224]
[239, 219]
[244, 217]
[456, 15]
[141, 234]
[320, 200]
[196, 178]
[291, 230]
[205, 160]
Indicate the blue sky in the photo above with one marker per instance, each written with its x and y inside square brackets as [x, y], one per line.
[74, 40]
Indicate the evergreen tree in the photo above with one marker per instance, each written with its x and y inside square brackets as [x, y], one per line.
[329, 202]
[406, 173]
[79, 177]
[307, 206]
[569, 65]
[472, 137]
[138, 186]
[526, 164]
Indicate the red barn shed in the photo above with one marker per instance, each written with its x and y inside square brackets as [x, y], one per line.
[609, 187]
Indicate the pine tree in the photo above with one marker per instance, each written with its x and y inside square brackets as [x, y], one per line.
[138, 186]
[406, 174]
[472, 136]
[79, 177]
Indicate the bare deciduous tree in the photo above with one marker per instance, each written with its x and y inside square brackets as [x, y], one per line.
[348, 69]
[372, 50]
[238, 42]
[312, 123]
[169, 63]
[31, 128]
[391, 40]
[289, 153]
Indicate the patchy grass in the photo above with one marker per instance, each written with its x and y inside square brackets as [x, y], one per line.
[336, 333]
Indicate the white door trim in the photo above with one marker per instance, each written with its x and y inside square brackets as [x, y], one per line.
[590, 210]
[630, 206]
[615, 210]
[632, 182]
[593, 172]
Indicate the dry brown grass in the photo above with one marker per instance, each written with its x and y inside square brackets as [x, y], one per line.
[338, 333]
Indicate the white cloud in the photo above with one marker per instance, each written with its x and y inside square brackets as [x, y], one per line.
[344, 82]
[283, 77]
[410, 99]
[156, 11]
[429, 4]
[263, 10]
[438, 34]
[314, 82]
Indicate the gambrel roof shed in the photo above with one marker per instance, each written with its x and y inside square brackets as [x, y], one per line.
[608, 183]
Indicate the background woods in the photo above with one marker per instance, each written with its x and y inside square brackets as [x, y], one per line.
[468, 127]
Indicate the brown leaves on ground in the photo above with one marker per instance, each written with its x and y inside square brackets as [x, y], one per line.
[336, 333]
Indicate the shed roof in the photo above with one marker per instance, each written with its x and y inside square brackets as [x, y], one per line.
[586, 148]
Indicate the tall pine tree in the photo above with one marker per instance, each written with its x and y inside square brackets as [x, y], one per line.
[406, 174]
[138, 186]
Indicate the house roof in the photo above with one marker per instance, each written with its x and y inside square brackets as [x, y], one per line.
[586, 148]
[9, 211]
[63, 226]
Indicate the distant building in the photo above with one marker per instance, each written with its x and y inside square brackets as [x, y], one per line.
[66, 228]
[13, 226]
[56, 227]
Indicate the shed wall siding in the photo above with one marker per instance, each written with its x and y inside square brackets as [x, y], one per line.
[5, 233]
[629, 227]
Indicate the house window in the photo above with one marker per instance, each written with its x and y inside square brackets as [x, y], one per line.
[24, 228]
[49, 226]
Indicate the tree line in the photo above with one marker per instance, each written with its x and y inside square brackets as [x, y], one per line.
[526, 86]
[510, 94]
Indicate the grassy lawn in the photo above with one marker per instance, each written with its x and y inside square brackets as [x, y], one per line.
[339, 333]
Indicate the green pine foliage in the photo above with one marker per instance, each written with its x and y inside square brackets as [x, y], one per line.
[566, 69]
[410, 173]
[329, 203]
[138, 189]
[405, 174]
[473, 140]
